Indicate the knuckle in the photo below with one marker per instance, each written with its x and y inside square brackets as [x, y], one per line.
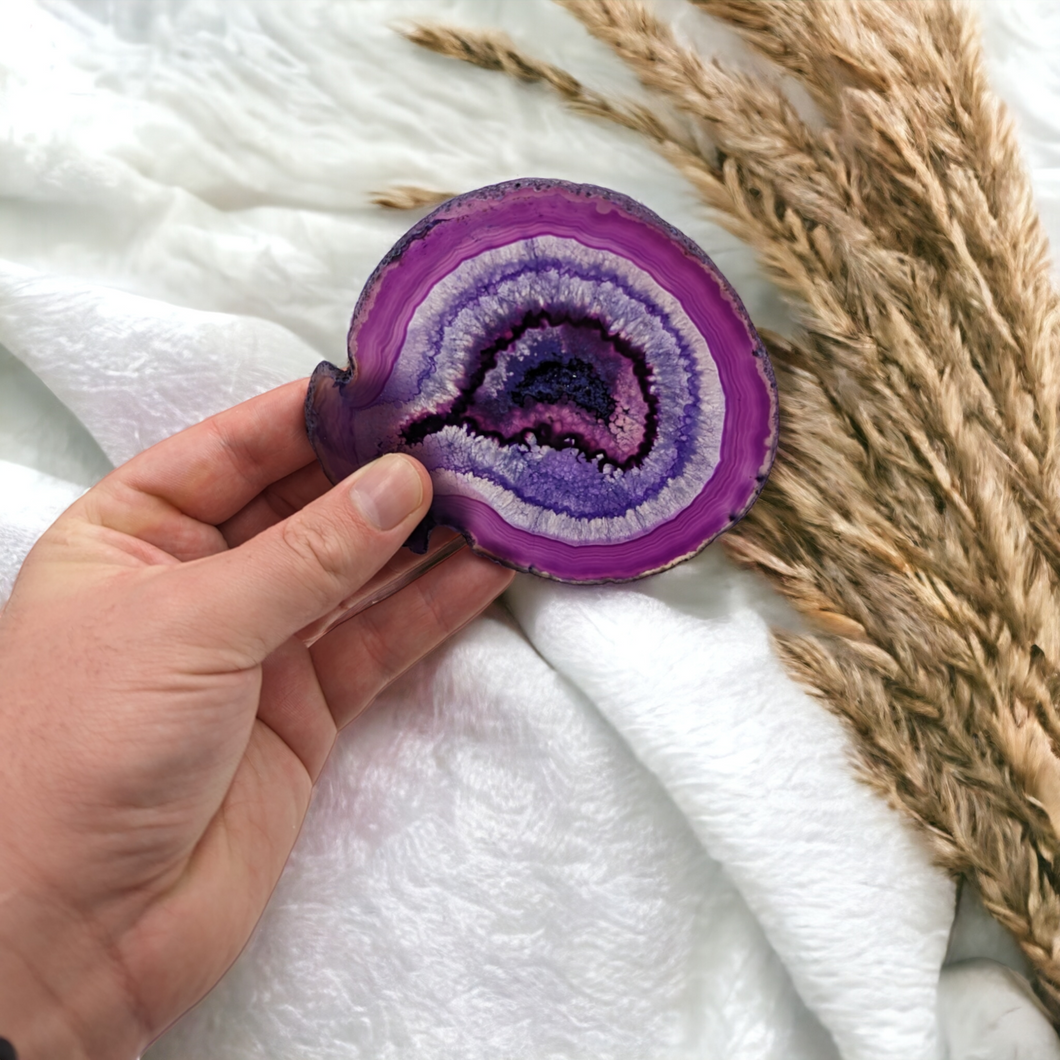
[321, 547]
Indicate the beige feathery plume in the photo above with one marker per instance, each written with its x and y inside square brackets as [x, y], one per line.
[914, 508]
[409, 197]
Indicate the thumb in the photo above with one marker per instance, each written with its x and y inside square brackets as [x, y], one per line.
[250, 599]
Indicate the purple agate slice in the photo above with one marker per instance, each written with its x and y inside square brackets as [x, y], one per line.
[584, 386]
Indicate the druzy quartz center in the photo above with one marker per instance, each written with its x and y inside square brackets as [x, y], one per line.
[583, 385]
[564, 384]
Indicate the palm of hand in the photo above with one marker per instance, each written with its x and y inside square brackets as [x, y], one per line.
[167, 727]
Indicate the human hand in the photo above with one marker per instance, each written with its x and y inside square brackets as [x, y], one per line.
[162, 725]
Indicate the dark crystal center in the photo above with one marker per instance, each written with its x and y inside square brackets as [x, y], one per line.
[556, 382]
[576, 380]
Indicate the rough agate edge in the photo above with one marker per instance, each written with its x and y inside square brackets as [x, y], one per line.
[584, 386]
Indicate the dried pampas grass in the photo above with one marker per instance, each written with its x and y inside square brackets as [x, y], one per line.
[409, 197]
[912, 516]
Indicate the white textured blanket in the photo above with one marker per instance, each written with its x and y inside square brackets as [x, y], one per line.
[602, 823]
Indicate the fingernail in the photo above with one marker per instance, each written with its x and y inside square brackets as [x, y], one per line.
[387, 491]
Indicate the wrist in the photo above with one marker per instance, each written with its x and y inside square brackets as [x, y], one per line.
[59, 999]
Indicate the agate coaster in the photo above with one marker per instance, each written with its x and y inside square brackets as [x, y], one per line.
[584, 386]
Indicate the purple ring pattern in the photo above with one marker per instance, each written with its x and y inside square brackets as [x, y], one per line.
[583, 385]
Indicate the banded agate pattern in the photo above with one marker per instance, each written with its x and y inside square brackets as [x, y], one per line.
[583, 385]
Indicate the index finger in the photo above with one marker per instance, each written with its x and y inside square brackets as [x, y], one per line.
[213, 469]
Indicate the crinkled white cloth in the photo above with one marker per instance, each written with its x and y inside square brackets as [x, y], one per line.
[602, 822]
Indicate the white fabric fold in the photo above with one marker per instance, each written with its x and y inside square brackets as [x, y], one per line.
[681, 666]
[135, 370]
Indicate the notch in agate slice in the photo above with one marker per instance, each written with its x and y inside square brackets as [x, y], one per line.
[581, 382]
